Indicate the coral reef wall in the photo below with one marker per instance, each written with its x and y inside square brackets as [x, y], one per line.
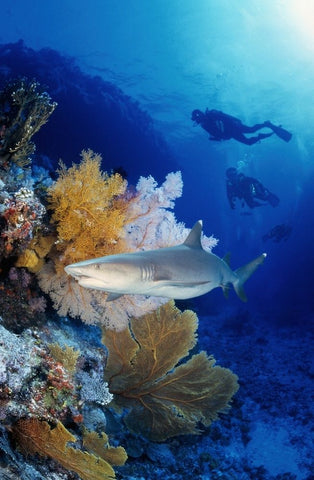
[101, 115]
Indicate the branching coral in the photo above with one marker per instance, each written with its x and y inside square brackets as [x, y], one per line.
[36, 389]
[36, 437]
[151, 221]
[24, 108]
[164, 399]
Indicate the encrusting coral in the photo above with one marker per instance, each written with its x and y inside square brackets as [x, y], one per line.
[163, 398]
[21, 214]
[67, 356]
[21, 302]
[96, 215]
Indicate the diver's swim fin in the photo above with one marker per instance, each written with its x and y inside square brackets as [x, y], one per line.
[281, 133]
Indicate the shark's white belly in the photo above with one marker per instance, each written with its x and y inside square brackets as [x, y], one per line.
[179, 292]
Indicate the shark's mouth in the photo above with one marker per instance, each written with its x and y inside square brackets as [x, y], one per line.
[80, 278]
[90, 282]
[77, 275]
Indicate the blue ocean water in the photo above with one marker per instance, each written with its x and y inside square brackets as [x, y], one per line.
[159, 61]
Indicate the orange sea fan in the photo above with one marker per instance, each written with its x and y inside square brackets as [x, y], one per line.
[163, 398]
[37, 437]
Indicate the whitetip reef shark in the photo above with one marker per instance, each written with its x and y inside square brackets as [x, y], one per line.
[179, 272]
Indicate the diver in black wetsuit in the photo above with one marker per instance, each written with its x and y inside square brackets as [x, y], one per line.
[221, 126]
[278, 233]
[247, 189]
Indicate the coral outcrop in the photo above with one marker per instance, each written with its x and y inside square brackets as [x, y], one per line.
[24, 108]
[21, 213]
[22, 303]
[42, 383]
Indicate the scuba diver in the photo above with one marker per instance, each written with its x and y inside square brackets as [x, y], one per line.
[248, 190]
[278, 233]
[221, 126]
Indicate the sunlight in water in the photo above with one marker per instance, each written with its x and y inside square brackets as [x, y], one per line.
[301, 12]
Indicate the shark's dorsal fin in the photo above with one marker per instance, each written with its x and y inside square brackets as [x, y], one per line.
[193, 240]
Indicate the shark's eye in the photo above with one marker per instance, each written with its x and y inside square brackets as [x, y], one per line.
[96, 266]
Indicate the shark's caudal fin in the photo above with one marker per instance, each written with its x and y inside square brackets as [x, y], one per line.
[243, 273]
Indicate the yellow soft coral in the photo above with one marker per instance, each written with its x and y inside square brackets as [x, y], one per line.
[87, 209]
[164, 399]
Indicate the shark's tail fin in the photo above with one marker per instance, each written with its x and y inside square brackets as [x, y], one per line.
[243, 273]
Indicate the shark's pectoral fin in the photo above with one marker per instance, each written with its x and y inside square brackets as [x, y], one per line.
[113, 296]
[162, 277]
[226, 289]
[240, 291]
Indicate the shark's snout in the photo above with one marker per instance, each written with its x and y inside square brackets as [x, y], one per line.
[70, 270]
[85, 276]
[75, 271]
